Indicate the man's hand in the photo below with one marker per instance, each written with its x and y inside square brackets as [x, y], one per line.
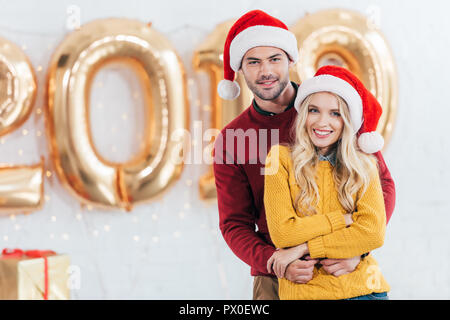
[300, 271]
[339, 267]
[281, 258]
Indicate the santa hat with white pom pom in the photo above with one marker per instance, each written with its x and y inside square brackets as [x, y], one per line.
[254, 29]
[365, 111]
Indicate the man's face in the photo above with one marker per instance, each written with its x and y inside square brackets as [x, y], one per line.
[266, 71]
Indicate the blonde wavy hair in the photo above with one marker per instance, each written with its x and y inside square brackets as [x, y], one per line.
[350, 174]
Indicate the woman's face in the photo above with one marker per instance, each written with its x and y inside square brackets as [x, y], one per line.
[324, 122]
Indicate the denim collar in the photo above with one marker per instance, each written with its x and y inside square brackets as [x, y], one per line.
[331, 158]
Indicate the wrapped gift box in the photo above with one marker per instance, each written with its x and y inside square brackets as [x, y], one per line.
[34, 274]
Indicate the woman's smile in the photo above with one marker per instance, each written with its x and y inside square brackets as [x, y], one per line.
[322, 134]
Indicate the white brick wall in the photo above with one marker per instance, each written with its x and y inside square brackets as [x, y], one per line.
[188, 259]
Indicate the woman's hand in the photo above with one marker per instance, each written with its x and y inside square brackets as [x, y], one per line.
[348, 219]
[283, 257]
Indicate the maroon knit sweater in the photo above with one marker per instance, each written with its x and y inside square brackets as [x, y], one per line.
[240, 184]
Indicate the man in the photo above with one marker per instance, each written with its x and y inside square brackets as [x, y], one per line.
[263, 49]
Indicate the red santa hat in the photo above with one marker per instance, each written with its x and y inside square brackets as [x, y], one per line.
[254, 29]
[365, 111]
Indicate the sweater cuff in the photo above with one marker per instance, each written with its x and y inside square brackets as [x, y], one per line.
[337, 220]
[267, 252]
[316, 248]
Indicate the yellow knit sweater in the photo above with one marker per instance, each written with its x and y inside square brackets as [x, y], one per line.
[325, 232]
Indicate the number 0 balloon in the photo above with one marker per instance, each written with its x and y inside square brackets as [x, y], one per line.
[75, 62]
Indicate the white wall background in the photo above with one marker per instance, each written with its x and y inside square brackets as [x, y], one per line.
[173, 249]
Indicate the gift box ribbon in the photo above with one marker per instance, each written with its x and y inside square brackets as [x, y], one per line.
[18, 253]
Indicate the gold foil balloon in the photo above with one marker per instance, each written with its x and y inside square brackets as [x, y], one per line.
[351, 40]
[17, 87]
[82, 170]
[21, 187]
[208, 57]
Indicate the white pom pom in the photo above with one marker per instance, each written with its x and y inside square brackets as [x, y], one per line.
[370, 142]
[228, 90]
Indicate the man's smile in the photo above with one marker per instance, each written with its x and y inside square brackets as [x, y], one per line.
[267, 83]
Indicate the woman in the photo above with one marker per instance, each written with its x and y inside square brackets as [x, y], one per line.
[323, 197]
